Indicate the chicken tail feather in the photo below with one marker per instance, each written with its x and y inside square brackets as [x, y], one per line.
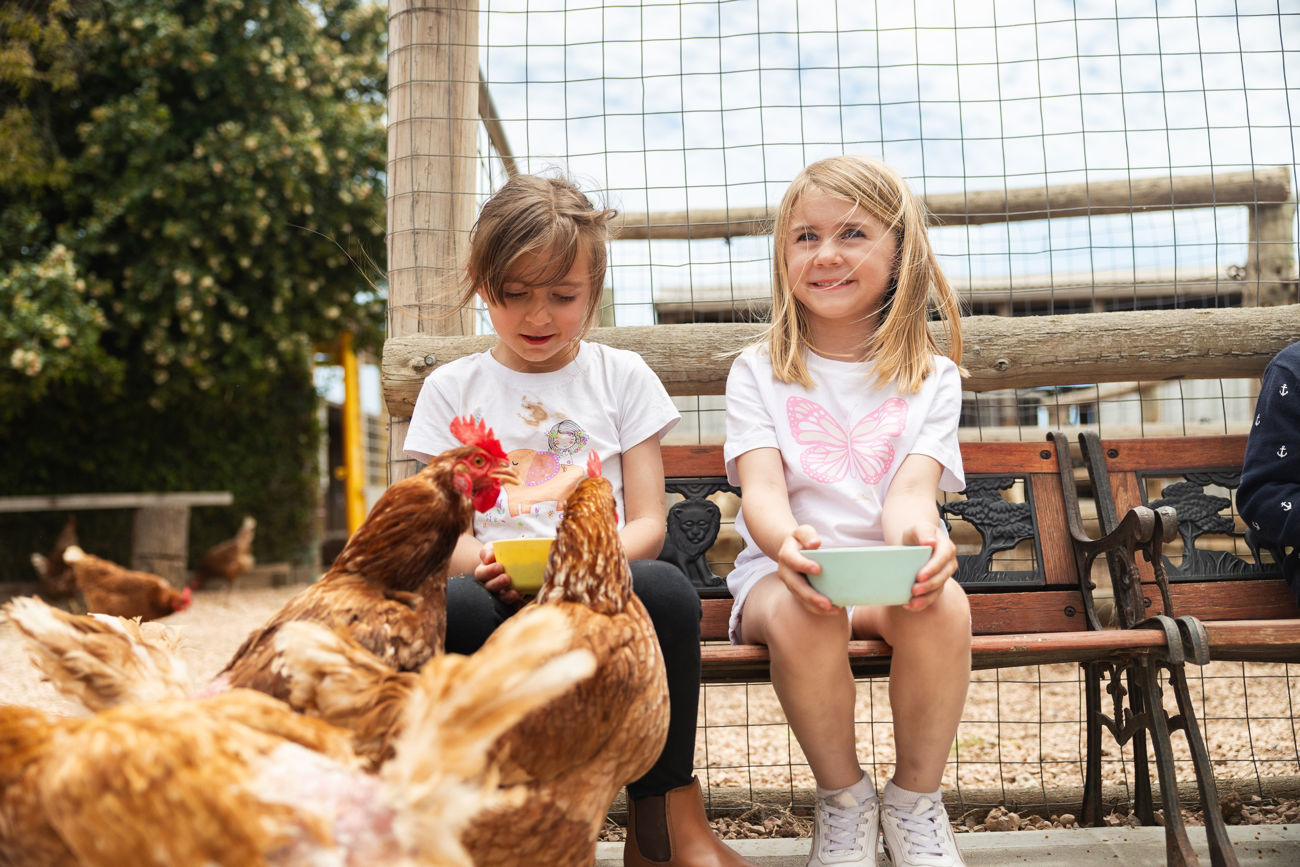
[459, 709]
[98, 660]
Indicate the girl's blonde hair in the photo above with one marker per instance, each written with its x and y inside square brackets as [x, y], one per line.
[901, 345]
[544, 216]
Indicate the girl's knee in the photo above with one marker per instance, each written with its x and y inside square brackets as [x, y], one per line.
[795, 630]
[947, 621]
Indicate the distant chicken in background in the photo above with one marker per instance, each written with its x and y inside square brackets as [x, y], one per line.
[227, 560]
[54, 576]
[108, 588]
[575, 753]
[387, 589]
[240, 779]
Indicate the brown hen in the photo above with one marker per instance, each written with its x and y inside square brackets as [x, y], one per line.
[108, 588]
[56, 578]
[575, 753]
[387, 589]
[227, 560]
[240, 779]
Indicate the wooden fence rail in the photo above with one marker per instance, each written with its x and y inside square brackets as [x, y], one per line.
[1000, 352]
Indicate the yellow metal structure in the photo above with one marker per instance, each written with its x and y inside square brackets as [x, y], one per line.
[354, 467]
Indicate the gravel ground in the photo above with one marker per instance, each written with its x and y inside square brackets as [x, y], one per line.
[1020, 732]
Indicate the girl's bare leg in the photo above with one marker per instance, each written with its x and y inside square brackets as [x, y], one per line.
[928, 678]
[811, 676]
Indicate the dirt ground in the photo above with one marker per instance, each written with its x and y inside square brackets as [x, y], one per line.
[1020, 735]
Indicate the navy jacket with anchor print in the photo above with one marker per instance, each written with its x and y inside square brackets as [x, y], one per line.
[1269, 496]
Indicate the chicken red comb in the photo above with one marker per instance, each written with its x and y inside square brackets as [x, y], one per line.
[593, 464]
[472, 432]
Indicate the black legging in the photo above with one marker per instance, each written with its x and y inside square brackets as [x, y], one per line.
[674, 606]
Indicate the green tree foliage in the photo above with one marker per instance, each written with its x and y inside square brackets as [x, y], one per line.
[191, 199]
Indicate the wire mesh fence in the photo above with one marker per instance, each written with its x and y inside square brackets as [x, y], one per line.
[1075, 157]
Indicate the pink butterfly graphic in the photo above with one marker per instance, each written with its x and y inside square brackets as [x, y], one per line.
[865, 451]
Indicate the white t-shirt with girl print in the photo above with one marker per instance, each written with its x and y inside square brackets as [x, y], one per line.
[606, 400]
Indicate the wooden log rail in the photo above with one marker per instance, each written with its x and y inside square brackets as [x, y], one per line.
[999, 352]
[1263, 187]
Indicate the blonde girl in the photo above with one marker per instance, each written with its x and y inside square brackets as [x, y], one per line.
[841, 428]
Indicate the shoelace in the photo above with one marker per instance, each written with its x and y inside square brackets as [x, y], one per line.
[921, 827]
[844, 827]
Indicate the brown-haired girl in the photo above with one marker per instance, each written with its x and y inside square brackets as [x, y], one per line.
[537, 261]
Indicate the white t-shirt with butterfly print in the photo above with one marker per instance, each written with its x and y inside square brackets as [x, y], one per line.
[841, 442]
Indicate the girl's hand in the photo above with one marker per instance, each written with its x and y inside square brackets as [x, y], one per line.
[792, 566]
[492, 575]
[941, 566]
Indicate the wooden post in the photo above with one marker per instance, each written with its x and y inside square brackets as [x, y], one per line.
[1270, 258]
[159, 542]
[433, 97]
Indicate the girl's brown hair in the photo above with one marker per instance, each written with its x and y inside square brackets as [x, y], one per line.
[900, 345]
[544, 216]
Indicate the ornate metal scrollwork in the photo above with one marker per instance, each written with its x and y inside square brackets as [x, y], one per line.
[1001, 524]
[1199, 514]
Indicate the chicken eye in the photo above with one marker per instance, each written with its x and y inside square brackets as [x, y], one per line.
[479, 460]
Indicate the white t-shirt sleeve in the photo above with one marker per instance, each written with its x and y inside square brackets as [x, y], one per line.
[645, 409]
[429, 433]
[938, 435]
[749, 421]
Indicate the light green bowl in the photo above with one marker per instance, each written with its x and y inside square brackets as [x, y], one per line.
[525, 561]
[879, 575]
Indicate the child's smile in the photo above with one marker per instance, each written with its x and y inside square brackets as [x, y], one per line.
[839, 263]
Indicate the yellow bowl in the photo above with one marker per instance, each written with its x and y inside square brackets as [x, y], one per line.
[525, 561]
[879, 575]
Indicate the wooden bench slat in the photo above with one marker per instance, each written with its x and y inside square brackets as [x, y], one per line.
[1254, 640]
[997, 613]
[737, 663]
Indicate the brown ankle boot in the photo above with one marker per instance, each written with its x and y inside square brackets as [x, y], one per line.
[672, 829]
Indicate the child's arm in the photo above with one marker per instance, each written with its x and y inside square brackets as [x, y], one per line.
[645, 524]
[909, 517]
[772, 524]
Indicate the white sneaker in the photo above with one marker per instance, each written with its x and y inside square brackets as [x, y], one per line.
[920, 837]
[844, 831]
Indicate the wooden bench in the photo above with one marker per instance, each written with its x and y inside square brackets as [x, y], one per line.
[160, 527]
[1208, 570]
[1028, 606]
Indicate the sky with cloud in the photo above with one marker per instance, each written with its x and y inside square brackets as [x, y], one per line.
[669, 106]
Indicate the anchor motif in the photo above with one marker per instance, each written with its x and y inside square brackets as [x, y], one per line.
[1255, 524]
[1283, 390]
[1286, 505]
[1256, 419]
[1282, 452]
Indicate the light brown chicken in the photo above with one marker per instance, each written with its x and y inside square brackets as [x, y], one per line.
[388, 587]
[227, 560]
[575, 753]
[99, 660]
[54, 576]
[239, 779]
[108, 588]
[572, 755]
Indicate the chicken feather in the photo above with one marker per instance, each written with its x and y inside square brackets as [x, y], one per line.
[239, 779]
[99, 660]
